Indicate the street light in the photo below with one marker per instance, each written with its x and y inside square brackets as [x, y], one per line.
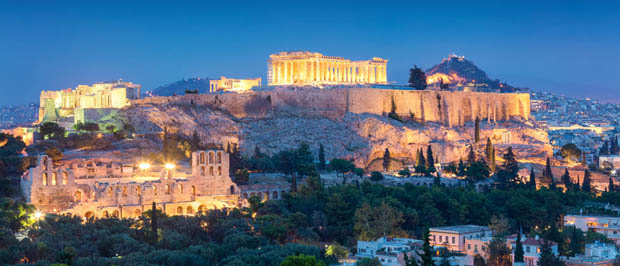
[38, 215]
[145, 166]
[169, 166]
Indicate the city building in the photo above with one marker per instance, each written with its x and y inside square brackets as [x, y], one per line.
[389, 250]
[67, 103]
[596, 254]
[108, 188]
[609, 161]
[309, 68]
[233, 85]
[454, 237]
[608, 226]
[532, 248]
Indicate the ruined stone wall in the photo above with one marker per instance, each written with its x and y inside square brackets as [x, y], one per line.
[445, 107]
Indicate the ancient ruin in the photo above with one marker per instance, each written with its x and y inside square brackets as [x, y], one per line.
[108, 188]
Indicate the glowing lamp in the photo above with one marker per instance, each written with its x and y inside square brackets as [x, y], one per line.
[145, 166]
[169, 166]
[38, 215]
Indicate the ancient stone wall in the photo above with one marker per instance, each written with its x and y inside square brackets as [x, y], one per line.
[445, 107]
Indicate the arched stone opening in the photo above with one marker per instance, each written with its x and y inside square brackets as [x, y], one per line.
[179, 210]
[190, 210]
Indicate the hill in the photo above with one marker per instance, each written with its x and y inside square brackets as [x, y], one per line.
[179, 87]
[462, 74]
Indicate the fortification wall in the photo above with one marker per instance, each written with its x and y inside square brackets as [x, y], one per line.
[445, 107]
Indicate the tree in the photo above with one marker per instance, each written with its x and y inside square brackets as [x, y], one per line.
[242, 176]
[518, 249]
[547, 258]
[51, 130]
[404, 172]
[420, 166]
[461, 169]
[427, 251]
[442, 85]
[341, 166]
[322, 164]
[615, 148]
[577, 242]
[568, 184]
[337, 251]
[532, 181]
[386, 159]
[471, 156]
[430, 161]
[409, 261]
[570, 152]
[154, 233]
[490, 154]
[585, 186]
[301, 260]
[508, 174]
[499, 252]
[374, 222]
[195, 143]
[54, 153]
[611, 187]
[369, 262]
[479, 260]
[11, 159]
[358, 172]
[477, 130]
[417, 78]
[477, 171]
[604, 150]
[548, 174]
[376, 176]
[15, 215]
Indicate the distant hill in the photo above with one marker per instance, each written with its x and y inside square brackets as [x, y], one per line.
[179, 87]
[463, 74]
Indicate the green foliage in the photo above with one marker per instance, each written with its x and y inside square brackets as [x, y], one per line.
[374, 222]
[507, 176]
[479, 260]
[430, 161]
[15, 215]
[386, 159]
[322, 164]
[341, 166]
[368, 262]
[477, 130]
[499, 252]
[376, 176]
[54, 153]
[570, 152]
[547, 258]
[518, 249]
[301, 260]
[88, 126]
[338, 251]
[404, 172]
[585, 185]
[11, 161]
[427, 251]
[417, 78]
[358, 172]
[420, 166]
[241, 176]
[52, 130]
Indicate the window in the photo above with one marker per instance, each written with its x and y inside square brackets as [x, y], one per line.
[65, 177]
[453, 240]
[202, 158]
[167, 189]
[219, 170]
[124, 191]
[219, 157]
[440, 238]
[468, 246]
[194, 191]
[210, 157]
[44, 179]
[181, 188]
[211, 171]
[202, 171]
[155, 190]
[527, 249]
[54, 179]
[138, 191]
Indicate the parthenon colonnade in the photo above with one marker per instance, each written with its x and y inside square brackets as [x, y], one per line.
[307, 68]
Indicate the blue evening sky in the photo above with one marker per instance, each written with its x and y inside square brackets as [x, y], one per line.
[566, 47]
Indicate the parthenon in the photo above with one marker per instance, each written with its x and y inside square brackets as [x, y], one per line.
[308, 68]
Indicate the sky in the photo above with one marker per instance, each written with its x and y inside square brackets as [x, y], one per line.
[564, 47]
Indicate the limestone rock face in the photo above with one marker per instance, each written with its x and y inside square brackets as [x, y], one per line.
[362, 137]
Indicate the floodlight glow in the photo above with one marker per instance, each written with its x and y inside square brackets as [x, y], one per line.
[145, 166]
[170, 166]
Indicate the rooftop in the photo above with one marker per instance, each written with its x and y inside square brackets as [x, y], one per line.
[461, 229]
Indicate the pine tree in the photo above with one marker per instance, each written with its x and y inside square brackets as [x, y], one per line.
[461, 168]
[611, 186]
[614, 149]
[471, 156]
[195, 141]
[322, 163]
[154, 223]
[417, 78]
[386, 159]
[430, 161]
[604, 150]
[532, 182]
[566, 180]
[421, 163]
[477, 130]
[577, 185]
[548, 174]
[547, 258]
[585, 186]
[490, 154]
[427, 255]
[518, 249]
[410, 261]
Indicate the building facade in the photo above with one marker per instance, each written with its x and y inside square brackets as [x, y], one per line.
[233, 85]
[532, 249]
[596, 254]
[310, 68]
[105, 188]
[389, 250]
[454, 237]
[608, 226]
[106, 95]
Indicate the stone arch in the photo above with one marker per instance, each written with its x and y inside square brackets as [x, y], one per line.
[194, 191]
[232, 189]
[65, 177]
[138, 190]
[167, 190]
[105, 214]
[137, 212]
[124, 191]
[202, 171]
[88, 215]
[154, 190]
[274, 195]
[219, 157]
[44, 179]
[54, 178]
[180, 188]
[110, 192]
[77, 196]
[190, 210]
[211, 171]
[116, 214]
[179, 210]
[219, 170]
[210, 157]
[202, 208]
[45, 163]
